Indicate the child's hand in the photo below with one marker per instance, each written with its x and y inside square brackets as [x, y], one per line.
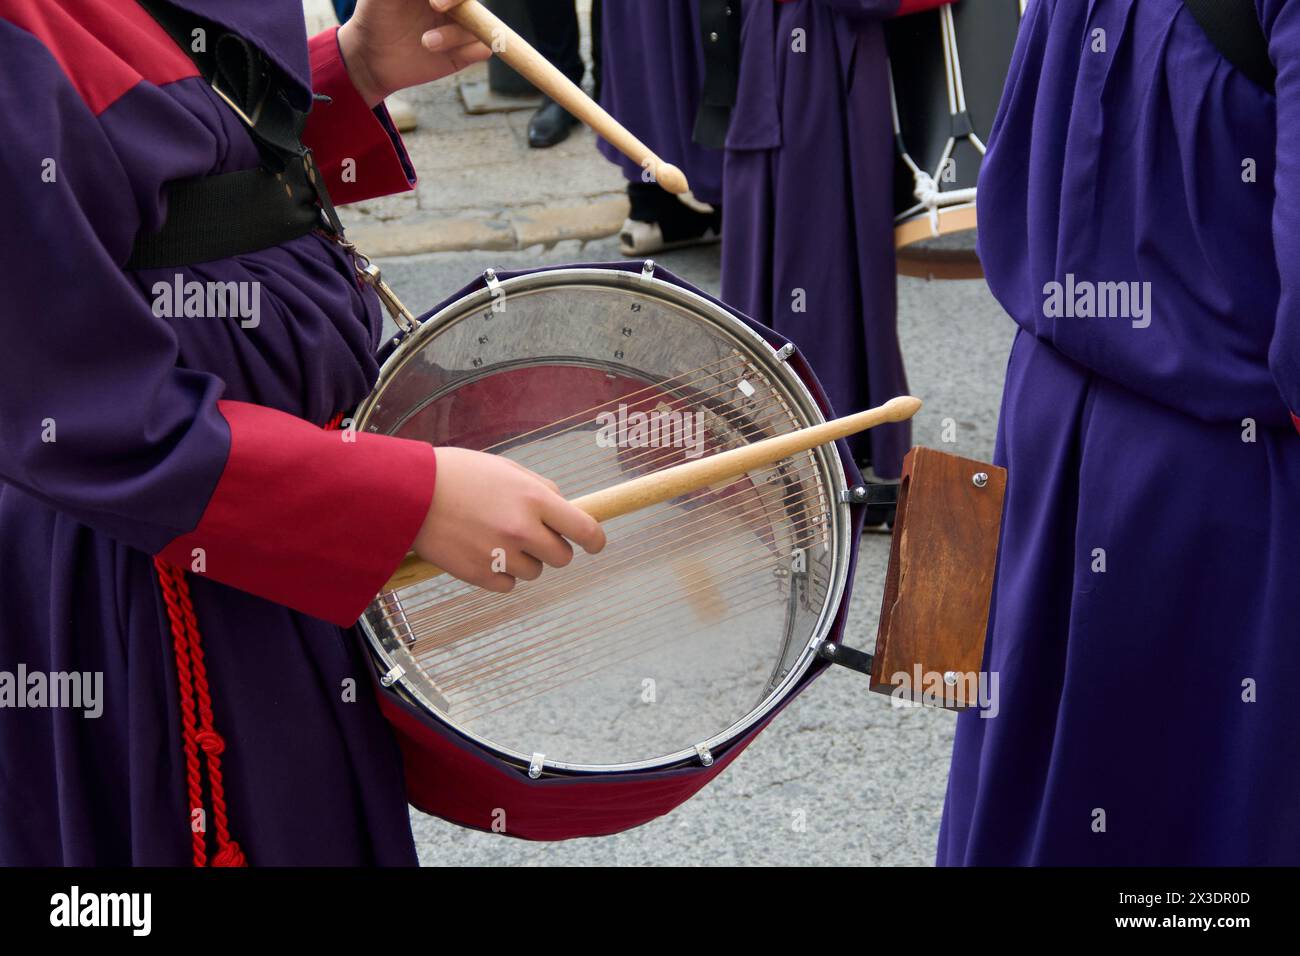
[389, 45]
[493, 521]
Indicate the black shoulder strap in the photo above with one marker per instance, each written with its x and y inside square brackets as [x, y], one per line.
[242, 76]
[230, 214]
[1233, 26]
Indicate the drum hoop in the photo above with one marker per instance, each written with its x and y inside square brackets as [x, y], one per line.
[961, 217]
[828, 456]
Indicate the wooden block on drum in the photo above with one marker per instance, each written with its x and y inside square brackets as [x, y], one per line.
[939, 585]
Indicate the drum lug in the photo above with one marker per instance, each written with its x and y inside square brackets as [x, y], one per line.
[493, 283]
[705, 755]
[785, 351]
[395, 673]
[647, 270]
[535, 765]
[854, 660]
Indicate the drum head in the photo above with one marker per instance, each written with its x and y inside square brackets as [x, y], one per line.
[702, 612]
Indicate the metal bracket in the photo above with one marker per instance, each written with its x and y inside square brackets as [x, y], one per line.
[854, 660]
[395, 673]
[402, 316]
[648, 269]
[705, 755]
[785, 351]
[872, 494]
[535, 765]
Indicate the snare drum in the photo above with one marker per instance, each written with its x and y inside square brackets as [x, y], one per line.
[947, 70]
[607, 692]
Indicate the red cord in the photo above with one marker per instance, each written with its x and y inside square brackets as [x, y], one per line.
[200, 734]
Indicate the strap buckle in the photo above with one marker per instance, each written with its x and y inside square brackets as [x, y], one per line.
[251, 121]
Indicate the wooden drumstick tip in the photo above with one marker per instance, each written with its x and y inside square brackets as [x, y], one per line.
[671, 178]
[902, 408]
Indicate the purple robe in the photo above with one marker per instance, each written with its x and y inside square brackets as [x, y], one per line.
[122, 430]
[652, 76]
[1146, 621]
[808, 245]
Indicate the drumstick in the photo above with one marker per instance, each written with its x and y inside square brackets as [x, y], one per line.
[691, 476]
[534, 67]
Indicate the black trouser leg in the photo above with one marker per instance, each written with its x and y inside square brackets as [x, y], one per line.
[555, 32]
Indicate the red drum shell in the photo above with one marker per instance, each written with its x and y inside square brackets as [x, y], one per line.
[458, 781]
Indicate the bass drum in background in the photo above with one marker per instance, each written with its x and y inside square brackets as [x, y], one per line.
[947, 70]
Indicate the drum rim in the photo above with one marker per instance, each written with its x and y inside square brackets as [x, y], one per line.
[917, 224]
[408, 344]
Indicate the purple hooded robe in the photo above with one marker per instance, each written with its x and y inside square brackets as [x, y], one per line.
[132, 426]
[1146, 623]
[808, 245]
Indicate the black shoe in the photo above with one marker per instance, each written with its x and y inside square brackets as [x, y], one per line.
[658, 220]
[550, 125]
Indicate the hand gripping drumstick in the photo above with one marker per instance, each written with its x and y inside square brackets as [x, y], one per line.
[691, 476]
[534, 67]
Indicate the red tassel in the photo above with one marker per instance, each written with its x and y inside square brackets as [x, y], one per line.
[197, 730]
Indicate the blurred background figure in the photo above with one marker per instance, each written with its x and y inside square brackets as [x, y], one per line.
[808, 248]
[669, 76]
[557, 37]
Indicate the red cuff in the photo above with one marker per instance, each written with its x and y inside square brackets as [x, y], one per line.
[312, 519]
[1295, 420]
[357, 149]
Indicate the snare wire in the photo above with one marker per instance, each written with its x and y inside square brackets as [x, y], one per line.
[556, 648]
[660, 601]
[630, 558]
[475, 594]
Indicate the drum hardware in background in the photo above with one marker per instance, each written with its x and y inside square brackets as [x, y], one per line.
[940, 105]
